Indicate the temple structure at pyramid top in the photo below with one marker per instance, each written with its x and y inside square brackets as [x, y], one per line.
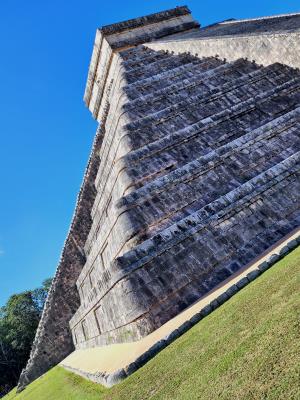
[194, 172]
[114, 38]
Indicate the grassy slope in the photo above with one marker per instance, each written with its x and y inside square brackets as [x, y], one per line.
[247, 349]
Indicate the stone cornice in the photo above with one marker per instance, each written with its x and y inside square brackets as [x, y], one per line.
[143, 21]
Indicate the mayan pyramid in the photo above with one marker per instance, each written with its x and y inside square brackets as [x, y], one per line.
[194, 172]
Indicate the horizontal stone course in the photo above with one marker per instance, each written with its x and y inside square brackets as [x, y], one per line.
[193, 66]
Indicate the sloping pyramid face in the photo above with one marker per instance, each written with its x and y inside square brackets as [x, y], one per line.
[194, 173]
[199, 174]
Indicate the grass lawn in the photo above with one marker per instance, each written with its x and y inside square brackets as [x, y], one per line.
[249, 348]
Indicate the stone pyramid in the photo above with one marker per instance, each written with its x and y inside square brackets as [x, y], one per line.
[194, 172]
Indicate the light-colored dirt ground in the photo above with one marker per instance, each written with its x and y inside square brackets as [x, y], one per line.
[113, 357]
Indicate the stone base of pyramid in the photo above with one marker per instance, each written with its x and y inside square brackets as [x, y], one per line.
[110, 364]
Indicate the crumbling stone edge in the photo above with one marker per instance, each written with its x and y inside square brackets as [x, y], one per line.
[111, 379]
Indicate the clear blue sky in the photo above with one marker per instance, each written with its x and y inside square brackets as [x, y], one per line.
[46, 131]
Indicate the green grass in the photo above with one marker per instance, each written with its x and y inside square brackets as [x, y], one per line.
[59, 384]
[247, 349]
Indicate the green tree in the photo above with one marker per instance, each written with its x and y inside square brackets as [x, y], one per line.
[40, 294]
[19, 319]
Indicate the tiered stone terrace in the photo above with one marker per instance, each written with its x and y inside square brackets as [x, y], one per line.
[208, 181]
[195, 174]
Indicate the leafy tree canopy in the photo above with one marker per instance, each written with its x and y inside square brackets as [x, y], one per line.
[19, 319]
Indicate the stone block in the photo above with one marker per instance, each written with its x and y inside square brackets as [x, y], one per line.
[184, 327]
[274, 258]
[131, 368]
[115, 377]
[157, 347]
[264, 266]
[232, 290]
[292, 244]
[242, 283]
[214, 304]
[222, 298]
[196, 318]
[206, 310]
[172, 336]
[251, 276]
[284, 251]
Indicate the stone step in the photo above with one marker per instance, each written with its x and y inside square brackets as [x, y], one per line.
[200, 257]
[173, 75]
[214, 213]
[209, 242]
[140, 232]
[133, 53]
[141, 58]
[161, 58]
[212, 132]
[209, 161]
[230, 92]
[191, 187]
[201, 81]
[177, 149]
[163, 63]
